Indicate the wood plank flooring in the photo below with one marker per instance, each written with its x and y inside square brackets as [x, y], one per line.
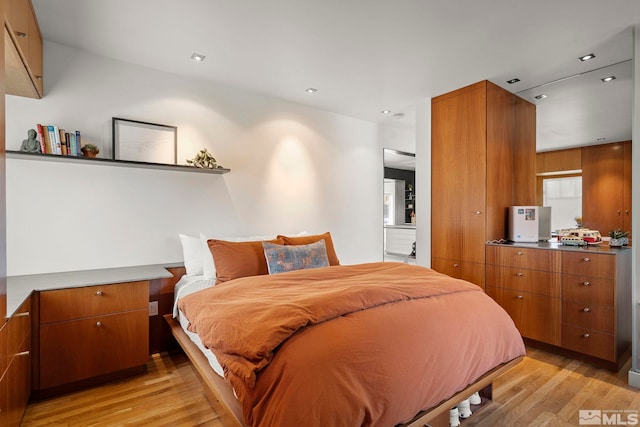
[544, 390]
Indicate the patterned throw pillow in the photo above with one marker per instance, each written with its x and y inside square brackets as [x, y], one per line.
[281, 258]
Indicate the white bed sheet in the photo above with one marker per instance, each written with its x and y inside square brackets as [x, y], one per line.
[185, 286]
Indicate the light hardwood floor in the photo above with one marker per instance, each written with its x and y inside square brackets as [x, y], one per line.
[544, 390]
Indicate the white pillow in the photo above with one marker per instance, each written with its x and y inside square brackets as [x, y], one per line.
[192, 254]
[208, 265]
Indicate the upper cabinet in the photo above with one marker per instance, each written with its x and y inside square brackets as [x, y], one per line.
[606, 187]
[23, 50]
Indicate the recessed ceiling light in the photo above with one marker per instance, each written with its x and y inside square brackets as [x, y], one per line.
[586, 57]
[512, 81]
[311, 90]
[386, 111]
[197, 57]
[541, 96]
[608, 79]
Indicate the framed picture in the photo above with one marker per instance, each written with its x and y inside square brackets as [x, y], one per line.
[144, 142]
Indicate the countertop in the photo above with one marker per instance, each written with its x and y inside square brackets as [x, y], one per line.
[602, 247]
[20, 287]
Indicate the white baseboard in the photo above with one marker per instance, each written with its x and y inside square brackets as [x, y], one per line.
[634, 379]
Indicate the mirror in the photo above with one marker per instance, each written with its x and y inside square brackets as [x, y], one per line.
[578, 110]
[399, 213]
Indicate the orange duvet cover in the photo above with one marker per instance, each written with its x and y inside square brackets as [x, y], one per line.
[363, 345]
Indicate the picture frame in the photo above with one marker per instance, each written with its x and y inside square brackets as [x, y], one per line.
[139, 141]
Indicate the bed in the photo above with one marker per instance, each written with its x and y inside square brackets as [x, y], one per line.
[377, 344]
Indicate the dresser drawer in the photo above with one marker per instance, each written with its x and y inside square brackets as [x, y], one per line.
[592, 290]
[588, 264]
[519, 279]
[19, 330]
[598, 318]
[531, 259]
[536, 316]
[470, 271]
[80, 349]
[76, 303]
[589, 342]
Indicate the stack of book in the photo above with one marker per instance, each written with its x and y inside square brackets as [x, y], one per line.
[58, 141]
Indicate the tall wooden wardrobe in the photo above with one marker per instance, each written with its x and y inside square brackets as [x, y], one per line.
[483, 153]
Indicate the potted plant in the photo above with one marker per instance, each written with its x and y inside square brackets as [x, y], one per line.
[90, 150]
[618, 238]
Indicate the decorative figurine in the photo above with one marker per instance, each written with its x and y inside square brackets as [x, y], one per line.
[204, 159]
[31, 145]
[90, 150]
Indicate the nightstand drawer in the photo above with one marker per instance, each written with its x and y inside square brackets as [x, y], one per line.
[589, 342]
[589, 264]
[76, 303]
[80, 349]
[592, 290]
[587, 316]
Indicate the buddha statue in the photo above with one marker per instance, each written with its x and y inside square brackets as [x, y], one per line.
[31, 144]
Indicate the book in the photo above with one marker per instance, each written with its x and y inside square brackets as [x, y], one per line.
[63, 143]
[78, 143]
[73, 144]
[56, 135]
[52, 140]
[70, 144]
[43, 147]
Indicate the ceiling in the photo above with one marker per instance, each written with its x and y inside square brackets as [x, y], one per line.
[365, 56]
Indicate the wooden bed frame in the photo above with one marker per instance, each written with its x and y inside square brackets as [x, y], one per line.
[221, 396]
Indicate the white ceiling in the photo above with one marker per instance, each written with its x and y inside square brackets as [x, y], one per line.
[365, 56]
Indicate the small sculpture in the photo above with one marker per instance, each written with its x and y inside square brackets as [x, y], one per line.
[204, 159]
[90, 150]
[31, 144]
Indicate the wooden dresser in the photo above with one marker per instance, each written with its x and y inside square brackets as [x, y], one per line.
[575, 298]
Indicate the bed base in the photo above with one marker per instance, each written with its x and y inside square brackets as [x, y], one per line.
[221, 396]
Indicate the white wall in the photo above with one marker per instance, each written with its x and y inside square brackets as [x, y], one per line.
[293, 168]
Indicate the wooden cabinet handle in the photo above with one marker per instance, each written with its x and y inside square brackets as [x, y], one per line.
[586, 283]
[519, 274]
[585, 335]
[21, 34]
[519, 253]
[456, 265]
[23, 314]
[98, 293]
[586, 259]
[98, 324]
[38, 77]
[520, 297]
[23, 353]
[586, 309]
[626, 211]
[619, 212]
[478, 212]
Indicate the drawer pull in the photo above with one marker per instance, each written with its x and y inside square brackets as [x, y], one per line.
[586, 283]
[519, 253]
[586, 259]
[586, 309]
[519, 274]
[21, 34]
[520, 297]
[585, 335]
[23, 353]
[98, 324]
[99, 293]
[23, 314]
[478, 212]
[456, 265]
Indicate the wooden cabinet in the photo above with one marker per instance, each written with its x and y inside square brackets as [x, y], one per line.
[559, 161]
[525, 284]
[606, 187]
[15, 386]
[596, 303]
[92, 331]
[575, 299]
[23, 50]
[483, 160]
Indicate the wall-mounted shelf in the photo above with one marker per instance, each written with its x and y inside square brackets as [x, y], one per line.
[111, 162]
